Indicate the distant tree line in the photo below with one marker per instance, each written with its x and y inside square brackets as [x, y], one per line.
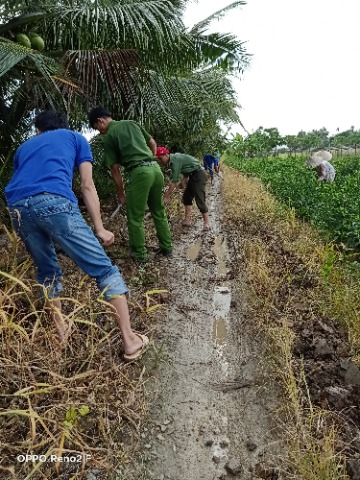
[265, 141]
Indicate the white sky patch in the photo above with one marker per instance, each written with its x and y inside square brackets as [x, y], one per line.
[305, 70]
[89, 134]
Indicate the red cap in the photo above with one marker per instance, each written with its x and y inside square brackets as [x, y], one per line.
[161, 151]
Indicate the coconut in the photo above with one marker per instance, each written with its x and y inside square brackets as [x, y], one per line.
[23, 40]
[37, 42]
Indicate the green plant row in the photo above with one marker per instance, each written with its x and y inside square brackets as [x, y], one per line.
[334, 207]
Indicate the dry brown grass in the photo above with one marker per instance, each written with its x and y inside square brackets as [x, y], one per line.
[82, 401]
[289, 270]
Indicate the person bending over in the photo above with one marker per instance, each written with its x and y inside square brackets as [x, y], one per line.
[45, 212]
[128, 145]
[326, 172]
[209, 164]
[321, 162]
[195, 177]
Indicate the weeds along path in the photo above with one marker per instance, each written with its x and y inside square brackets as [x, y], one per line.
[211, 405]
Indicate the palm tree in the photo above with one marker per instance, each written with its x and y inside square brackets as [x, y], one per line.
[196, 98]
[102, 49]
[134, 56]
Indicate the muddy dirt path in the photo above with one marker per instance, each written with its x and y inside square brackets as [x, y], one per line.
[211, 408]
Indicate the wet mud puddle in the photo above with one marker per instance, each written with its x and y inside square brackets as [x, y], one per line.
[221, 330]
[220, 252]
[193, 252]
[221, 305]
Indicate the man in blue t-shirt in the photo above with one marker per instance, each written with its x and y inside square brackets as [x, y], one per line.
[45, 212]
[211, 163]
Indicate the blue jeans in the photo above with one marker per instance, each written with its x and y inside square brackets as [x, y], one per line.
[47, 219]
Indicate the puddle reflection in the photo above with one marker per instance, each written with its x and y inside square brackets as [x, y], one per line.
[221, 305]
[219, 331]
[193, 251]
[219, 252]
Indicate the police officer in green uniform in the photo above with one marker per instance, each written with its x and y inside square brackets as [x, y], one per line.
[128, 145]
[194, 181]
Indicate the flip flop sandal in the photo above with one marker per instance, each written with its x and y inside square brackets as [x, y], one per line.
[136, 355]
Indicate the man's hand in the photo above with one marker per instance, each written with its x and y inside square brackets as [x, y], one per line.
[105, 237]
[169, 192]
[182, 183]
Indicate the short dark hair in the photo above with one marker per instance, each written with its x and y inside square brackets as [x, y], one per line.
[98, 112]
[51, 120]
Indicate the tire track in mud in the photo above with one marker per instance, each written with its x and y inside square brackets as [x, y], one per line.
[211, 417]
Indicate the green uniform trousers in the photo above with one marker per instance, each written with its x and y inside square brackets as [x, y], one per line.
[144, 187]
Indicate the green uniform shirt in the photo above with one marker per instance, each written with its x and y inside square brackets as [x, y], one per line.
[125, 143]
[180, 163]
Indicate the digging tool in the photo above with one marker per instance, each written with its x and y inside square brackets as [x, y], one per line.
[119, 207]
[116, 211]
[218, 175]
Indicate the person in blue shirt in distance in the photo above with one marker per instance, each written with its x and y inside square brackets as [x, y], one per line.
[209, 162]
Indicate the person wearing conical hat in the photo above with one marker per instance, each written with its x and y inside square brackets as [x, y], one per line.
[321, 161]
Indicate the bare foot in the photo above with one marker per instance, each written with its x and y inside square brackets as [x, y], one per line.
[206, 227]
[186, 223]
[63, 335]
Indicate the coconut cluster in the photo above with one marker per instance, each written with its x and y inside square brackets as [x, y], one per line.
[32, 41]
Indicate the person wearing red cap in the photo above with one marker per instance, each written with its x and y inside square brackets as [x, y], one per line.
[195, 177]
[128, 145]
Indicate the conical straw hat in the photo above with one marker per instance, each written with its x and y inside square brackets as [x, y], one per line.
[319, 157]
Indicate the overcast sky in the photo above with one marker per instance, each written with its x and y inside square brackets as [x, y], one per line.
[305, 70]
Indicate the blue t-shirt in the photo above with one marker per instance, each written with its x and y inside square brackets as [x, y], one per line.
[46, 163]
[208, 160]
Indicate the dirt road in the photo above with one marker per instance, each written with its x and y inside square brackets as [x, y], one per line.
[211, 406]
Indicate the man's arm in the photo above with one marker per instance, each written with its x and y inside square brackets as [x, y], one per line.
[92, 203]
[116, 174]
[152, 145]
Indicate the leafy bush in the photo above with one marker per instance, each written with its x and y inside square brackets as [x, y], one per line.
[332, 207]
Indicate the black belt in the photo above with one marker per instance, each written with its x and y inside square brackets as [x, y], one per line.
[142, 164]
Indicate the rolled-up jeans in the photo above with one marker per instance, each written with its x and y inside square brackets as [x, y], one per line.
[46, 219]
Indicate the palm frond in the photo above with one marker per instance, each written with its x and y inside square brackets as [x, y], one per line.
[13, 54]
[21, 21]
[186, 103]
[97, 71]
[204, 24]
[126, 24]
[223, 50]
